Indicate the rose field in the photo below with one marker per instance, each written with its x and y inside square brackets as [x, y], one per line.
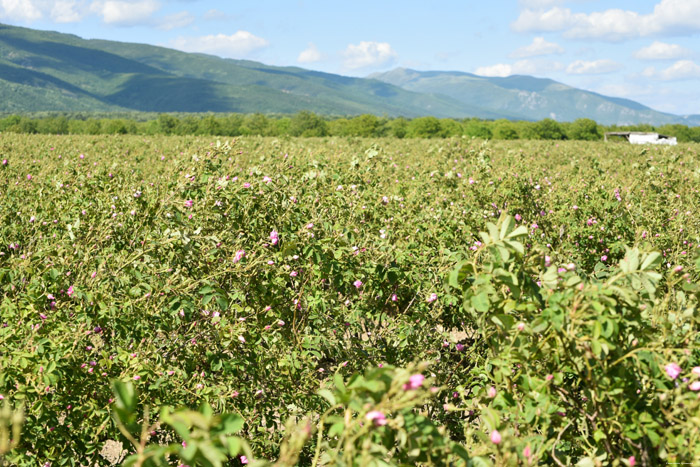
[174, 300]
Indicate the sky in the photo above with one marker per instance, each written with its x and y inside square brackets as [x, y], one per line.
[644, 50]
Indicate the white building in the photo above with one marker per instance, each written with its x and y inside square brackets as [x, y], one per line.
[638, 137]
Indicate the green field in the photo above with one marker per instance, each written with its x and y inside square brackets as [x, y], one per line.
[546, 292]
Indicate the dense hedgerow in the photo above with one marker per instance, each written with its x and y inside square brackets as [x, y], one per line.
[333, 301]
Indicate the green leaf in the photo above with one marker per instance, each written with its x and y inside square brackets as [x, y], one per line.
[328, 395]
[493, 232]
[651, 261]
[504, 321]
[336, 429]
[231, 423]
[234, 445]
[632, 259]
[480, 302]
[339, 383]
[506, 227]
[125, 396]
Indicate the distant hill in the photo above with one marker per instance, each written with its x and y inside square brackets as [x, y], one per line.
[49, 71]
[529, 98]
[42, 70]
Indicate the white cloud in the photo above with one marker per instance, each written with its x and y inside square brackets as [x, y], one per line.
[554, 19]
[125, 13]
[235, 45]
[538, 47]
[310, 55]
[19, 10]
[682, 69]
[521, 67]
[176, 21]
[499, 69]
[66, 11]
[661, 51]
[596, 67]
[670, 17]
[368, 55]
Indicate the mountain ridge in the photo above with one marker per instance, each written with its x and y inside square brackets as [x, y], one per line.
[53, 71]
[530, 98]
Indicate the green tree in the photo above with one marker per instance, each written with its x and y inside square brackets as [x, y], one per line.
[338, 127]
[682, 132]
[398, 127]
[307, 123]
[257, 124]
[424, 127]
[209, 125]
[9, 121]
[505, 129]
[548, 129]
[450, 127]
[477, 128]
[187, 126]
[364, 125]
[167, 124]
[584, 129]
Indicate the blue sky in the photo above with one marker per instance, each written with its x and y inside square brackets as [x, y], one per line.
[645, 50]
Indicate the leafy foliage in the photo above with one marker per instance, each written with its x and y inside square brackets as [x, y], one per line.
[344, 300]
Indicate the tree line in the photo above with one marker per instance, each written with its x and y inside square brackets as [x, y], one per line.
[310, 124]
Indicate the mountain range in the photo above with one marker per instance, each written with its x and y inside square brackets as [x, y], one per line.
[50, 71]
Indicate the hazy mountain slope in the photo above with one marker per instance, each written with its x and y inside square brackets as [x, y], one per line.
[106, 75]
[527, 97]
[41, 70]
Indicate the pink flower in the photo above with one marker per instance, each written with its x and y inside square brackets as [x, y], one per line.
[696, 371]
[632, 461]
[694, 386]
[375, 416]
[50, 297]
[242, 339]
[495, 437]
[238, 256]
[267, 179]
[414, 382]
[246, 185]
[70, 291]
[274, 237]
[432, 298]
[189, 203]
[244, 460]
[357, 283]
[518, 217]
[521, 326]
[293, 274]
[394, 297]
[604, 258]
[527, 452]
[549, 377]
[673, 370]
[137, 377]
[29, 177]
[491, 392]
[310, 225]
